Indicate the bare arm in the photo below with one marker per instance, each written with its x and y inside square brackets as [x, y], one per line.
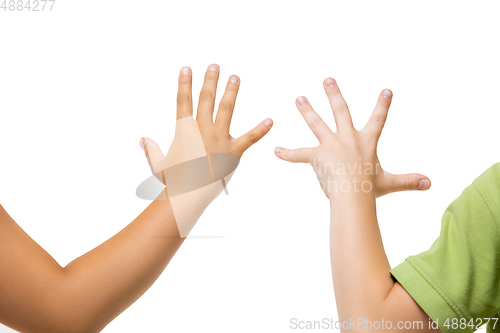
[350, 174]
[363, 285]
[38, 295]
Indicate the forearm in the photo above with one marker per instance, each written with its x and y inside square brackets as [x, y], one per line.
[364, 288]
[360, 267]
[108, 279]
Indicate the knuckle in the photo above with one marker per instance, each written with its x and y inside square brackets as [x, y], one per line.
[380, 118]
[206, 95]
[384, 104]
[298, 152]
[211, 75]
[408, 184]
[232, 87]
[333, 93]
[254, 136]
[342, 108]
[316, 122]
[183, 98]
[226, 105]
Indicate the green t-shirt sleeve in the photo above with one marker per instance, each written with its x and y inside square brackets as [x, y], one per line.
[458, 279]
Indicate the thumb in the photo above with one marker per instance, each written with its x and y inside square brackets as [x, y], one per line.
[408, 182]
[152, 151]
[299, 155]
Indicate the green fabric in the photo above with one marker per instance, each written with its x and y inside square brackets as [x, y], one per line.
[459, 276]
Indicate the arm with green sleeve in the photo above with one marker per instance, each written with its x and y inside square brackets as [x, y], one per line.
[456, 278]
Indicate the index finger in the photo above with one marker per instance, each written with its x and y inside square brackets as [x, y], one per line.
[313, 120]
[379, 115]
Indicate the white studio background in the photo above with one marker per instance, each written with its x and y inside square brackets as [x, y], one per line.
[79, 86]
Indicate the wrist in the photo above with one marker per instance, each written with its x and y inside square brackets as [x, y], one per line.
[347, 185]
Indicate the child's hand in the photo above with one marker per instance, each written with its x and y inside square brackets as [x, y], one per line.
[195, 139]
[203, 156]
[346, 161]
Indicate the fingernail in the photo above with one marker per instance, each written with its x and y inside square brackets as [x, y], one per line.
[234, 78]
[213, 67]
[329, 82]
[278, 150]
[424, 184]
[301, 100]
[387, 93]
[268, 122]
[142, 143]
[185, 71]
